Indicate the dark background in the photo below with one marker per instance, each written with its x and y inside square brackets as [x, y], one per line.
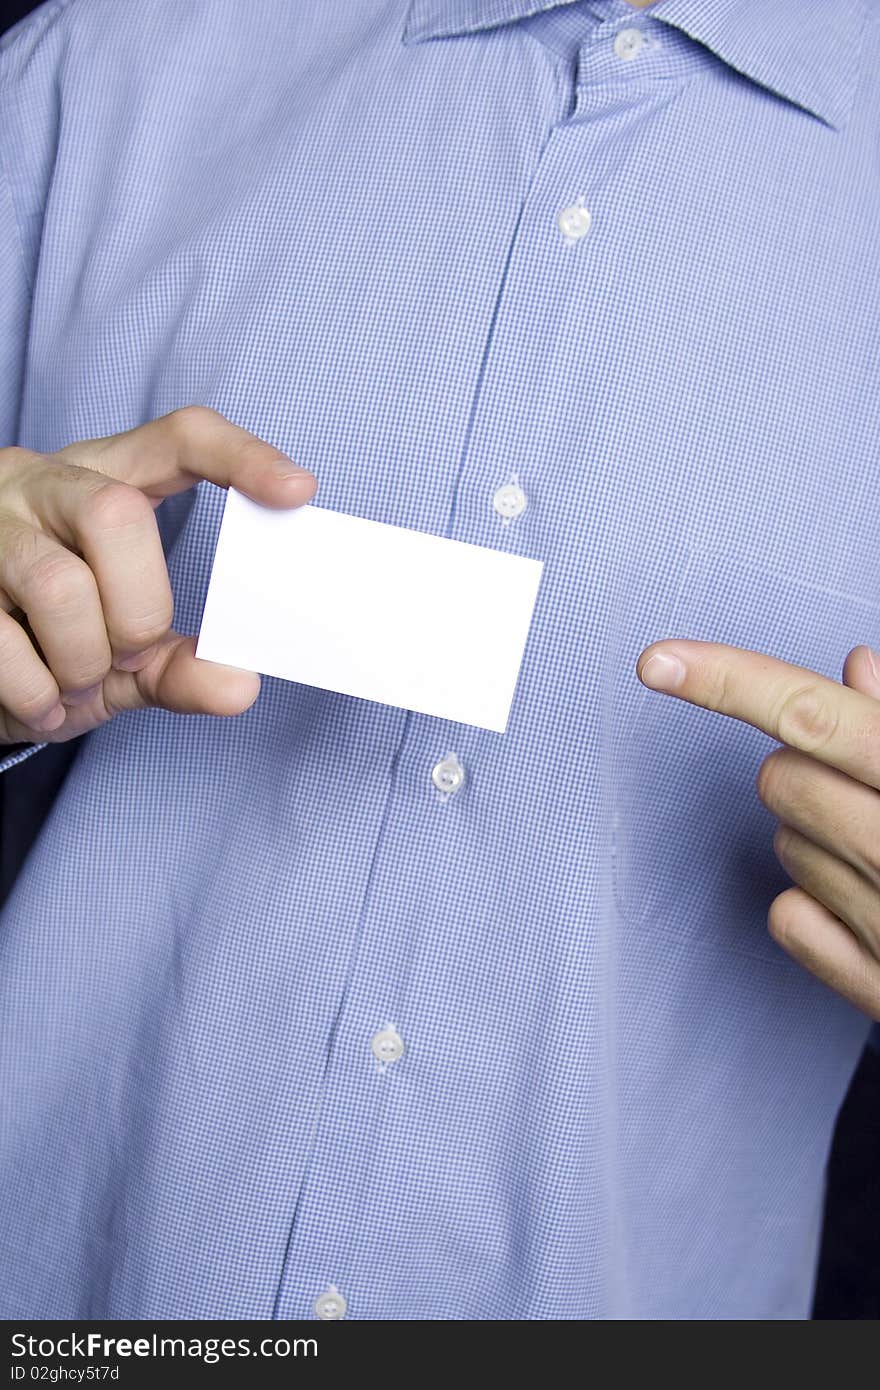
[849, 1270]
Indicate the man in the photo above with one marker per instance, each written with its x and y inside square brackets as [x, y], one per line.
[329, 1009]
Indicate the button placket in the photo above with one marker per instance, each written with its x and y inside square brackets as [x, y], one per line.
[547, 270]
[339, 1176]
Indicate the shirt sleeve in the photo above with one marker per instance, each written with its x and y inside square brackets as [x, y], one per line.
[16, 753]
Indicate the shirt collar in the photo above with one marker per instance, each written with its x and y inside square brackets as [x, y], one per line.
[806, 51]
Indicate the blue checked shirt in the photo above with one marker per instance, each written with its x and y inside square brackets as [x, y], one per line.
[284, 1031]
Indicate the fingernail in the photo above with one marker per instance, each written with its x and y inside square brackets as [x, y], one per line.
[80, 697]
[133, 661]
[662, 672]
[874, 663]
[51, 721]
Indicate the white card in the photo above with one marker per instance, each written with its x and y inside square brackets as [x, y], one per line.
[362, 608]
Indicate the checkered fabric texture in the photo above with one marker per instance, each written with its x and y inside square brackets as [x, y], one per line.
[360, 231]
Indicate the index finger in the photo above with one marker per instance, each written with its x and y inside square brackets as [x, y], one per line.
[174, 451]
[832, 723]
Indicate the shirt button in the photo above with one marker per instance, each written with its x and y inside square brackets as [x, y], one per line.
[510, 501]
[387, 1044]
[628, 43]
[574, 222]
[330, 1305]
[448, 775]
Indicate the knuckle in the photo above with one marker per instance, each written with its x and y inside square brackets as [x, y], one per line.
[780, 918]
[58, 580]
[781, 839]
[84, 683]
[194, 419]
[115, 505]
[143, 631]
[717, 686]
[137, 626]
[250, 452]
[32, 701]
[771, 775]
[807, 719]
[30, 691]
[788, 847]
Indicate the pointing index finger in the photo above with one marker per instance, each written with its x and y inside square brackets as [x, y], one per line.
[830, 722]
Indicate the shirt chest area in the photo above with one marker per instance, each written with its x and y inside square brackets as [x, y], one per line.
[600, 342]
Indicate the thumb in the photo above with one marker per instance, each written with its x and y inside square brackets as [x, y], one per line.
[175, 451]
[177, 680]
[861, 671]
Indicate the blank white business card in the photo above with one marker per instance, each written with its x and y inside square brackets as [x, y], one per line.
[362, 608]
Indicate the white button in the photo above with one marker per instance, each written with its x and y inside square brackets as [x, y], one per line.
[510, 501]
[448, 775]
[628, 43]
[574, 222]
[387, 1044]
[330, 1305]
